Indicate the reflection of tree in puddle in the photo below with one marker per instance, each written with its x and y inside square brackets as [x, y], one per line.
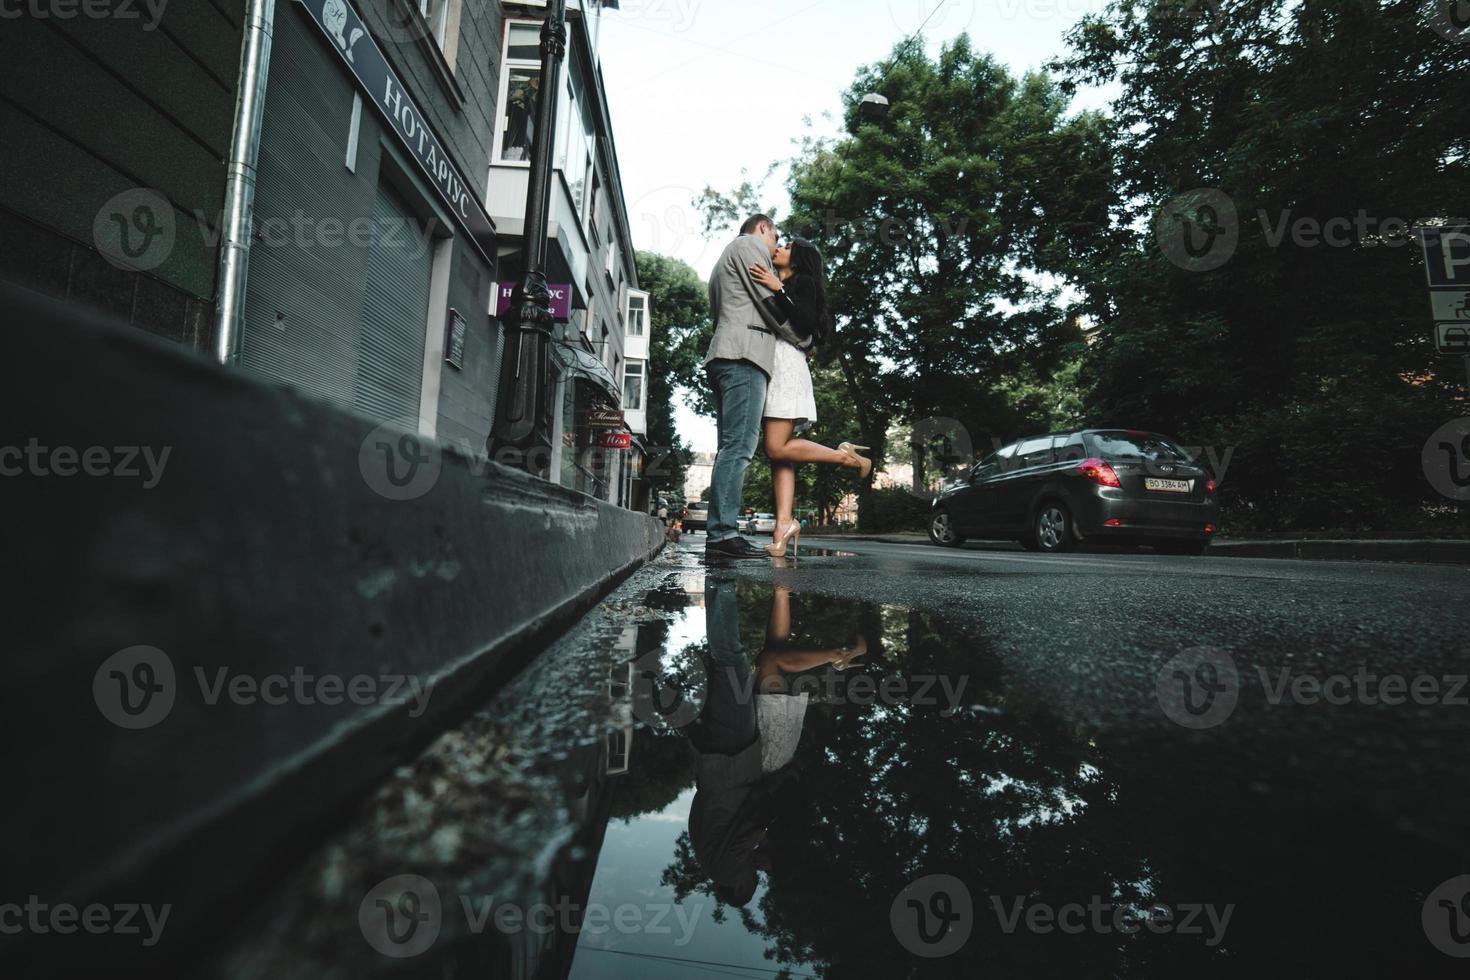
[881, 790]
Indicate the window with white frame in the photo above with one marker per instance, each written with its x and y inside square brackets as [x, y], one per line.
[520, 92]
[633, 390]
[436, 14]
[637, 314]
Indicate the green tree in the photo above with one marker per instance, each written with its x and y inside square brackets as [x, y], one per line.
[1311, 357]
[680, 327]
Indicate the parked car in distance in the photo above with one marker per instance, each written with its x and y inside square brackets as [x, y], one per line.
[1053, 491]
[696, 516]
[760, 524]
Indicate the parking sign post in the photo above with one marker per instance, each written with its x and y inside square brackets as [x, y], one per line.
[1447, 267]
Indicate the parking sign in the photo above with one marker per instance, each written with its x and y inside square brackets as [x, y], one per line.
[1447, 267]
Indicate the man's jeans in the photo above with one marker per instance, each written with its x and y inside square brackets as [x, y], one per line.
[740, 399]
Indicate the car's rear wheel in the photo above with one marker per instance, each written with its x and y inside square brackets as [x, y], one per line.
[1052, 529]
[1181, 547]
[941, 530]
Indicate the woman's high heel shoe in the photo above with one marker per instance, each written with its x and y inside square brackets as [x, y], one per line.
[864, 464]
[777, 547]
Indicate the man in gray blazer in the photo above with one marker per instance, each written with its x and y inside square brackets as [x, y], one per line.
[748, 325]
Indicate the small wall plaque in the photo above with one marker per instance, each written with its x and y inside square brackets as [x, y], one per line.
[454, 339]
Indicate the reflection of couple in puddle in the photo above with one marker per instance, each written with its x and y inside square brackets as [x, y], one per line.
[746, 743]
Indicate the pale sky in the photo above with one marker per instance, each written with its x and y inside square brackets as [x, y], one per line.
[701, 89]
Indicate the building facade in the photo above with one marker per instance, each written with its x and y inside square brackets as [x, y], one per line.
[597, 360]
[389, 190]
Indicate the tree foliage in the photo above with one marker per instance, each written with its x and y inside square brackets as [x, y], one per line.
[1309, 354]
[679, 322]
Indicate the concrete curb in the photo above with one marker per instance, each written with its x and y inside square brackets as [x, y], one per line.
[268, 547]
[1422, 551]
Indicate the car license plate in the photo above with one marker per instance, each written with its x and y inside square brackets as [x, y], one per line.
[1168, 486]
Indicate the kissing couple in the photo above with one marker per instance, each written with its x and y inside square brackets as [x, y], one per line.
[768, 301]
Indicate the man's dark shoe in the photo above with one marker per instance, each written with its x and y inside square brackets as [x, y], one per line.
[736, 547]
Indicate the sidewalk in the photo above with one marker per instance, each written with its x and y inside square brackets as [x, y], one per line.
[1442, 551]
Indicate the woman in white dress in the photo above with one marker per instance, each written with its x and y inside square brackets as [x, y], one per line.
[799, 285]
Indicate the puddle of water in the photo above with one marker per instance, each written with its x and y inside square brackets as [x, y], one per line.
[822, 787]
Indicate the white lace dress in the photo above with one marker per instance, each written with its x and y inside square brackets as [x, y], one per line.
[789, 394]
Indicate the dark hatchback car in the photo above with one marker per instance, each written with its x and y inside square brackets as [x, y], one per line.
[695, 517]
[1052, 492]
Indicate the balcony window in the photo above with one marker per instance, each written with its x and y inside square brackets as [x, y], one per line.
[633, 387]
[521, 94]
[637, 314]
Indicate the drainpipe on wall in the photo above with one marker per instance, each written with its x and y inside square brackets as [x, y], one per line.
[234, 255]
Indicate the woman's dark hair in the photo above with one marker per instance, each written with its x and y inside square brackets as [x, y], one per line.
[807, 261]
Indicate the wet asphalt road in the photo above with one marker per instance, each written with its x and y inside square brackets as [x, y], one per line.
[1128, 768]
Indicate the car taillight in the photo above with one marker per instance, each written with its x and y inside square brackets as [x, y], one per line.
[1209, 529]
[1209, 486]
[1099, 472]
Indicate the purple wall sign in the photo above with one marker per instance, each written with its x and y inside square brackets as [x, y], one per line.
[561, 300]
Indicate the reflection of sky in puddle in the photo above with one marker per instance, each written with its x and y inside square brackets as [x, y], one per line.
[991, 787]
[647, 855]
[632, 853]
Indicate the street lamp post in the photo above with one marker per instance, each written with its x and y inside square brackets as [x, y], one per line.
[522, 433]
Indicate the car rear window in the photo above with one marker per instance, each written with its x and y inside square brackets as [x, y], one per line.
[1135, 445]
